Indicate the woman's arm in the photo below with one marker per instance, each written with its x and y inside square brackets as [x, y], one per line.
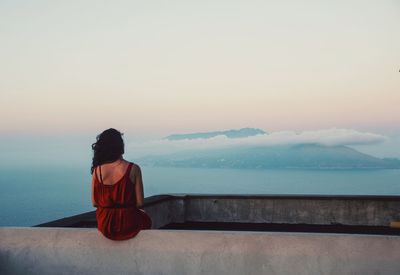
[139, 187]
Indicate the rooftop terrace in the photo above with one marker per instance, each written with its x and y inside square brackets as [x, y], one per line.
[220, 234]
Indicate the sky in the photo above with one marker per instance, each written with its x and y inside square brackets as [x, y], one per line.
[153, 68]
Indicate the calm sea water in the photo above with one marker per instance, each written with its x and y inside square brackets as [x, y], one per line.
[31, 196]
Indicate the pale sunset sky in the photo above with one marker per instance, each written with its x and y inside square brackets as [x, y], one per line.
[152, 68]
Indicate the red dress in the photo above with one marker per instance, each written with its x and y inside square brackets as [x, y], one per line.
[117, 216]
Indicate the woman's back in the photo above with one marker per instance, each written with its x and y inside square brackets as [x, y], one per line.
[112, 172]
[114, 194]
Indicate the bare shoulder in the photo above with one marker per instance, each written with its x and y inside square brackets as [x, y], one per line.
[136, 168]
[135, 172]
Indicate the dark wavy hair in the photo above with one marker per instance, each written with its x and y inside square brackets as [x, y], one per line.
[108, 147]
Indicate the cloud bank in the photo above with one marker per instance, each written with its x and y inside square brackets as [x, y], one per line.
[327, 137]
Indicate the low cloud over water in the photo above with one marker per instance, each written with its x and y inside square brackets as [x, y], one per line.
[327, 137]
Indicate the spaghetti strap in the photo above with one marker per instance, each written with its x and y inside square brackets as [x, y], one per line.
[95, 174]
[101, 179]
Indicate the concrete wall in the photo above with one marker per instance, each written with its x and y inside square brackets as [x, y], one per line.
[86, 251]
[290, 209]
[166, 211]
[308, 210]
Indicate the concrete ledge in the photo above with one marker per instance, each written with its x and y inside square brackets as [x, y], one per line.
[289, 209]
[85, 251]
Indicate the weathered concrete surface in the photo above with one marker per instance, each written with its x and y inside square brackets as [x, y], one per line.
[316, 210]
[86, 251]
[166, 211]
[289, 209]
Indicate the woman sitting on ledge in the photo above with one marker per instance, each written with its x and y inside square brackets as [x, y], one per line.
[117, 189]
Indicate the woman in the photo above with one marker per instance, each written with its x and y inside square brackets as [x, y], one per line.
[117, 189]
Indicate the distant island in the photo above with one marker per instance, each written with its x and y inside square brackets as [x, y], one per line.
[244, 132]
[298, 156]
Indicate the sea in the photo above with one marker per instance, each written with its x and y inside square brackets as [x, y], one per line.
[34, 195]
